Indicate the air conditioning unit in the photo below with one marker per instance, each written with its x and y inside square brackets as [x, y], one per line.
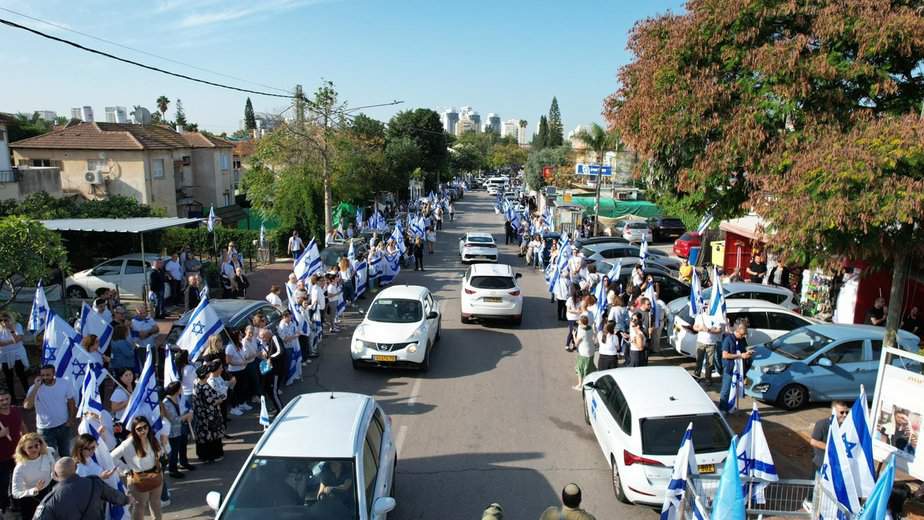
[94, 177]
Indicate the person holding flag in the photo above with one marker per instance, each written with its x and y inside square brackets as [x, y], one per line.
[858, 440]
[754, 458]
[734, 354]
[684, 467]
[39, 310]
[836, 478]
[179, 418]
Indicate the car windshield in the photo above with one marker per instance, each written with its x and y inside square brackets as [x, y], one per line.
[392, 310]
[686, 237]
[671, 222]
[491, 282]
[637, 225]
[799, 344]
[661, 435]
[481, 240]
[277, 487]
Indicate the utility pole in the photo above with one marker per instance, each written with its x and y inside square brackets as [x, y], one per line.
[300, 108]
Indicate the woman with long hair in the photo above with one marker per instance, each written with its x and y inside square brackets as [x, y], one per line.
[572, 313]
[584, 338]
[13, 355]
[123, 391]
[208, 424]
[139, 458]
[87, 465]
[32, 477]
[608, 341]
[637, 341]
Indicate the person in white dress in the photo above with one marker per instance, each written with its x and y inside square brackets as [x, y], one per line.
[13, 355]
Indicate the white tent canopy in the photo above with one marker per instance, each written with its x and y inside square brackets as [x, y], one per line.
[117, 225]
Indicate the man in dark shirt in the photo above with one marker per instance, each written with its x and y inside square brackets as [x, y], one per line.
[734, 346]
[819, 440]
[158, 287]
[757, 269]
[912, 322]
[191, 295]
[877, 315]
[76, 497]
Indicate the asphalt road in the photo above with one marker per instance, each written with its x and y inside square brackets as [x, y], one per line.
[494, 420]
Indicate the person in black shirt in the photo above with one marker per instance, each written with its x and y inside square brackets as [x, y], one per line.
[757, 269]
[158, 287]
[191, 295]
[819, 439]
[877, 315]
[912, 322]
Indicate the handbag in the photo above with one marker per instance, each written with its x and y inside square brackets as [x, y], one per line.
[145, 481]
[265, 367]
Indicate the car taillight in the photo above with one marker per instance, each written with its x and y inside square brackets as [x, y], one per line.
[489, 246]
[515, 293]
[629, 459]
[469, 291]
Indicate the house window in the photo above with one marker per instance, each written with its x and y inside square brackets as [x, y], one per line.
[157, 169]
[95, 165]
[41, 162]
[225, 161]
[227, 198]
[187, 160]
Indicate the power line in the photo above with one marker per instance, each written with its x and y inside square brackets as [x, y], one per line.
[138, 64]
[117, 44]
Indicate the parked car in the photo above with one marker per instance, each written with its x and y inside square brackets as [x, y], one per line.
[582, 242]
[639, 415]
[612, 251]
[477, 246]
[125, 272]
[686, 241]
[490, 291]
[744, 291]
[766, 322]
[664, 228]
[399, 330]
[635, 231]
[820, 362]
[235, 314]
[323, 438]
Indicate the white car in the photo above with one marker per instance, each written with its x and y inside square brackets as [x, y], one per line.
[477, 246]
[766, 322]
[492, 190]
[319, 440]
[742, 291]
[125, 272]
[639, 415]
[636, 231]
[399, 330]
[490, 291]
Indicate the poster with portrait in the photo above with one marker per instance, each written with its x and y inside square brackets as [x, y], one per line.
[898, 411]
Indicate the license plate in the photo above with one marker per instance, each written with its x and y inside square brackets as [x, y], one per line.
[492, 299]
[388, 359]
[706, 468]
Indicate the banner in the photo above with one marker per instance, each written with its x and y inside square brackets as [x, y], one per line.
[898, 411]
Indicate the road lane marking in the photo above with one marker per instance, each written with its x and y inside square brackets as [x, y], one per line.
[399, 440]
[415, 390]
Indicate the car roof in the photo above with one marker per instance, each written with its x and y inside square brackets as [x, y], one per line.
[226, 309]
[756, 287]
[316, 425]
[661, 391]
[743, 304]
[150, 257]
[606, 246]
[492, 270]
[480, 235]
[410, 292]
[839, 331]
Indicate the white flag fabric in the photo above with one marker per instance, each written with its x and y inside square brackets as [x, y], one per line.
[351, 253]
[309, 262]
[264, 413]
[704, 223]
[39, 309]
[391, 266]
[836, 477]
[643, 252]
[754, 458]
[61, 349]
[361, 273]
[202, 324]
[696, 295]
[144, 399]
[211, 222]
[858, 444]
[655, 309]
[684, 466]
[90, 400]
[171, 374]
[91, 322]
[398, 238]
[715, 310]
[737, 386]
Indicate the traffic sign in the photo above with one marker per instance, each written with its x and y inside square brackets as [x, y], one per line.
[592, 169]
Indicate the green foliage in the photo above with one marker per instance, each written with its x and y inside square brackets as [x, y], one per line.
[25, 126]
[558, 156]
[507, 155]
[163, 102]
[201, 241]
[42, 206]
[250, 121]
[180, 114]
[425, 128]
[402, 158]
[27, 252]
[556, 131]
[541, 139]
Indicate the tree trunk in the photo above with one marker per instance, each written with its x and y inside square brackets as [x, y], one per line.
[327, 194]
[901, 265]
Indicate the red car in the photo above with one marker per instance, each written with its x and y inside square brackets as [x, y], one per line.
[687, 240]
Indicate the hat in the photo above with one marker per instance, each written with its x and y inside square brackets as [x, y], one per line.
[493, 512]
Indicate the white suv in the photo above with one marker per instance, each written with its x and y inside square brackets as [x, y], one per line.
[490, 291]
[477, 246]
[399, 330]
[327, 455]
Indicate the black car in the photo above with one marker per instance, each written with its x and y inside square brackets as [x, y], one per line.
[664, 228]
[581, 242]
[235, 314]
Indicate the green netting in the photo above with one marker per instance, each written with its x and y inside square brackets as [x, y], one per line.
[343, 210]
[254, 220]
[617, 208]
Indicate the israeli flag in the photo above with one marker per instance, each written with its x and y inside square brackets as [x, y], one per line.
[301, 324]
[61, 349]
[655, 309]
[399, 240]
[295, 363]
[417, 227]
[91, 322]
[715, 310]
[264, 413]
[211, 222]
[560, 265]
[144, 399]
[262, 235]
[351, 253]
[375, 266]
[362, 277]
[684, 466]
[643, 252]
[737, 387]
[171, 374]
[704, 223]
[728, 503]
[359, 218]
[202, 324]
[600, 295]
[309, 262]
[547, 219]
[754, 458]
[877, 506]
[564, 239]
[390, 268]
[696, 295]
[858, 443]
[39, 309]
[90, 400]
[836, 477]
[613, 275]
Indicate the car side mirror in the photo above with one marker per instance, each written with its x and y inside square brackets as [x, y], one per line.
[383, 505]
[433, 315]
[213, 499]
[518, 275]
[590, 385]
[825, 362]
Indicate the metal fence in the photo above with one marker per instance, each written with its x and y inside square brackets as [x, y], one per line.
[791, 498]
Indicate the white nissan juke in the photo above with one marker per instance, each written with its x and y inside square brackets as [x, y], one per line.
[399, 329]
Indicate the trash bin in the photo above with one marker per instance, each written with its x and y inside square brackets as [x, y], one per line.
[718, 253]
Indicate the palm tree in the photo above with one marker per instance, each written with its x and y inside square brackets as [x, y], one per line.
[162, 103]
[600, 141]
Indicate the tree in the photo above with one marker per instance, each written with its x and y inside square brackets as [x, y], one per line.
[739, 104]
[250, 121]
[507, 155]
[25, 126]
[425, 128]
[402, 157]
[556, 157]
[541, 139]
[162, 104]
[180, 114]
[600, 141]
[556, 132]
[27, 252]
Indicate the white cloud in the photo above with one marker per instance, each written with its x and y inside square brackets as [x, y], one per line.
[204, 18]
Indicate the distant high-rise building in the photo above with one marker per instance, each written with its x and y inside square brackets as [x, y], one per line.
[116, 115]
[450, 120]
[522, 139]
[493, 123]
[47, 115]
[475, 118]
[509, 128]
[87, 114]
[76, 113]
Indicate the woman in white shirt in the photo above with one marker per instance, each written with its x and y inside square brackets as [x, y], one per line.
[608, 342]
[236, 358]
[123, 391]
[584, 337]
[288, 331]
[273, 296]
[572, 313]
[12, 353]
[346, 275]
[83, 451]
[33, 473]
[90, 345]
[140, 454]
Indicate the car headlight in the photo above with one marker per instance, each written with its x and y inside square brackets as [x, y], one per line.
[359, 345]
[774, 369]
[412, 347]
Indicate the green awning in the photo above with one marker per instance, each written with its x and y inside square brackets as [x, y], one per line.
[343, 210]
[617, 208]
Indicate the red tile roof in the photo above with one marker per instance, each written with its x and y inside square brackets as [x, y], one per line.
[200, 140]
[107, 136]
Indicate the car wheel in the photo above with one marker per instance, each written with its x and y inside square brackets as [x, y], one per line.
[584, 403]
[463, 319]
[793, 397]
[617, 483]
[425, 365]
[439, 328]
[76, 292]
[357, 365]
[518, 320]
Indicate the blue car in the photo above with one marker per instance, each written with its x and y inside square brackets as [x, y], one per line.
[819, 362]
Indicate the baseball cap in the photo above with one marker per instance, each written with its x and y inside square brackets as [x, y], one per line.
[493, 512]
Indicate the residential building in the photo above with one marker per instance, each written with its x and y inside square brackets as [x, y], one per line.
[469, 121]
[450, 120]
[76, 113]
[5, 165]
[18, 183]
[182, 173]
[116, 115]
[47, 115]
[522, 136]
[493, 123]
[87, 114]
[509, 128]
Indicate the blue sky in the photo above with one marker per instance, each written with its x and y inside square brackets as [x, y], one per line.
[504, 56]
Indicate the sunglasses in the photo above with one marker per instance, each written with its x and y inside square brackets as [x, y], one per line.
[141, 429]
